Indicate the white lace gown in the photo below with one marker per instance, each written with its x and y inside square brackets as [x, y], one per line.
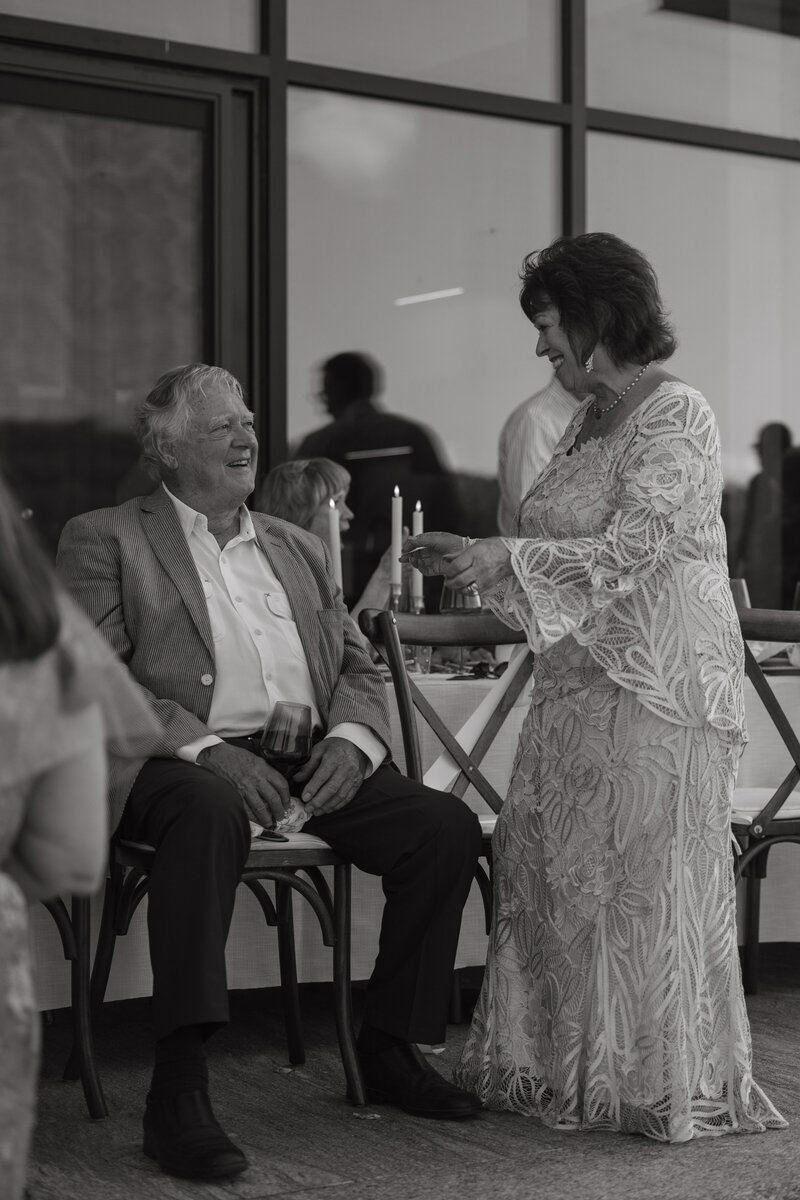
[612, 997]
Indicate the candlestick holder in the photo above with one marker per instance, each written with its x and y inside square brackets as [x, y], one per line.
[395, 596]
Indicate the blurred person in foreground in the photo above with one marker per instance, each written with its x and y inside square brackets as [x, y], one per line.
[219, 613]
[62, 693]
[612, 997]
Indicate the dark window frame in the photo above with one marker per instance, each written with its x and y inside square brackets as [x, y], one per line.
[249, 93]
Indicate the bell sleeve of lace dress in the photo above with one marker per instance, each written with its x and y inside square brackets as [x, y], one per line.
[666, 491]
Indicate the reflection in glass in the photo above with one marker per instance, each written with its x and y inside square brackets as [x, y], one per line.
[730, 76]
[510, 46]
[722, 234]
[398, 201]
[229, 26]
[100, 293]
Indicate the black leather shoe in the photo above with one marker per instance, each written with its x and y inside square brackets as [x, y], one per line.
[182, 1134]
[400, 1075]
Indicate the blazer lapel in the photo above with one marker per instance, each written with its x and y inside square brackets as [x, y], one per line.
[163, 530]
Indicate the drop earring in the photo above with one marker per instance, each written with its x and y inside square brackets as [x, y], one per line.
[587, 366]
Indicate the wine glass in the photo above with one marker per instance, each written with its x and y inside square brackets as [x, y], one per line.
[286, 744]
[286, 740]
[459, 602]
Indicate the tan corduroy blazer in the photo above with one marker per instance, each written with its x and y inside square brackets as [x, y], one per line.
[131, 570]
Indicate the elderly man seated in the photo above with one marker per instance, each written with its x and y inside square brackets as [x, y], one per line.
[219, 613]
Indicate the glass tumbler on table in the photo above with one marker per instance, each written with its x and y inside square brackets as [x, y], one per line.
[459, 602]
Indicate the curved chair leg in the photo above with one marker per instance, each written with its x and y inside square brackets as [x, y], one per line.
[288, 968]
[343, 1000]
[104, 951]
[83, 1049]
[752, 912]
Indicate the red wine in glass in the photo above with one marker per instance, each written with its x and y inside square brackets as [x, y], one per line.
[286, 740]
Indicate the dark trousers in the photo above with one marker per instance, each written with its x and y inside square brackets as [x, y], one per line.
[422, 842]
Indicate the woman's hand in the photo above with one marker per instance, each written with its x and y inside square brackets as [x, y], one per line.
[479, 567]
[427, 551]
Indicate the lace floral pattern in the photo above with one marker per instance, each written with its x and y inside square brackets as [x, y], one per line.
[612, 996]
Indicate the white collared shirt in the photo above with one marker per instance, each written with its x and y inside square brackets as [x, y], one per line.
[258, 652]
[527, 441]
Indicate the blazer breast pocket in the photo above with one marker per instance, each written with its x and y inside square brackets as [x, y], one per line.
[278, 604]
[214, 616]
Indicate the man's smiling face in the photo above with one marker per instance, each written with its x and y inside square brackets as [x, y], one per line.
[218, 454]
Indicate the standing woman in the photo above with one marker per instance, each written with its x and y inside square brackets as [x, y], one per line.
[62, 694]
[612, 997]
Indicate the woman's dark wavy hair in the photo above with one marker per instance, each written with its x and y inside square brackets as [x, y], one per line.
[29, 616]
[605, 292]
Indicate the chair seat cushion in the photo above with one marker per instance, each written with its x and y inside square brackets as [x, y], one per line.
[748, 803]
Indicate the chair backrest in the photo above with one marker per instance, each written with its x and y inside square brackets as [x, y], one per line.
[772, 625]
[389, 632]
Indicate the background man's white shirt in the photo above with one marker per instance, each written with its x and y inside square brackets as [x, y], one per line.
[527, 441]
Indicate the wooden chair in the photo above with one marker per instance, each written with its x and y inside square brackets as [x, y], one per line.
[74, 926]
[389, 632]
[765, 816]
[293, 866]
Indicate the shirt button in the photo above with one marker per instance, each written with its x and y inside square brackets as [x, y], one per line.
[257, 632]
[206, 680]
[238, 599]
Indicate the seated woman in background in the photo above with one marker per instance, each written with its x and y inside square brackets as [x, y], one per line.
[301, 491]
[61, 694]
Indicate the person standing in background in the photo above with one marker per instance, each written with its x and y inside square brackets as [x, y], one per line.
[527, 441]
[379, 449]
[760, 551]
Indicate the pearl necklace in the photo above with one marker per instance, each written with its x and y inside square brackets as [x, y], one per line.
[598, 411]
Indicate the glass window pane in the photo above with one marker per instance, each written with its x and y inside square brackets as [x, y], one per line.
[100, 293]
[407, 228]
[726, 262]
[646, 60]
[229, 26]
[510, 46]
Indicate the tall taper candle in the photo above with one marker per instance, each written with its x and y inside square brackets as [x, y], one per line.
[397, 538]
[335, 540]
[417, 526]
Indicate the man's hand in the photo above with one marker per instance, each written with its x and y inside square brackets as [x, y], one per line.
[332, 775]
[264, 791]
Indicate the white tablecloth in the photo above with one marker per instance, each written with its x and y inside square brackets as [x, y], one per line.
[252, 952]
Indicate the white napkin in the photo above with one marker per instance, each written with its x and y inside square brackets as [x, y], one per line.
[292, 821]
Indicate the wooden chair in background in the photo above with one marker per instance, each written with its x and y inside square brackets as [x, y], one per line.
[389, 633]
[768, 815]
